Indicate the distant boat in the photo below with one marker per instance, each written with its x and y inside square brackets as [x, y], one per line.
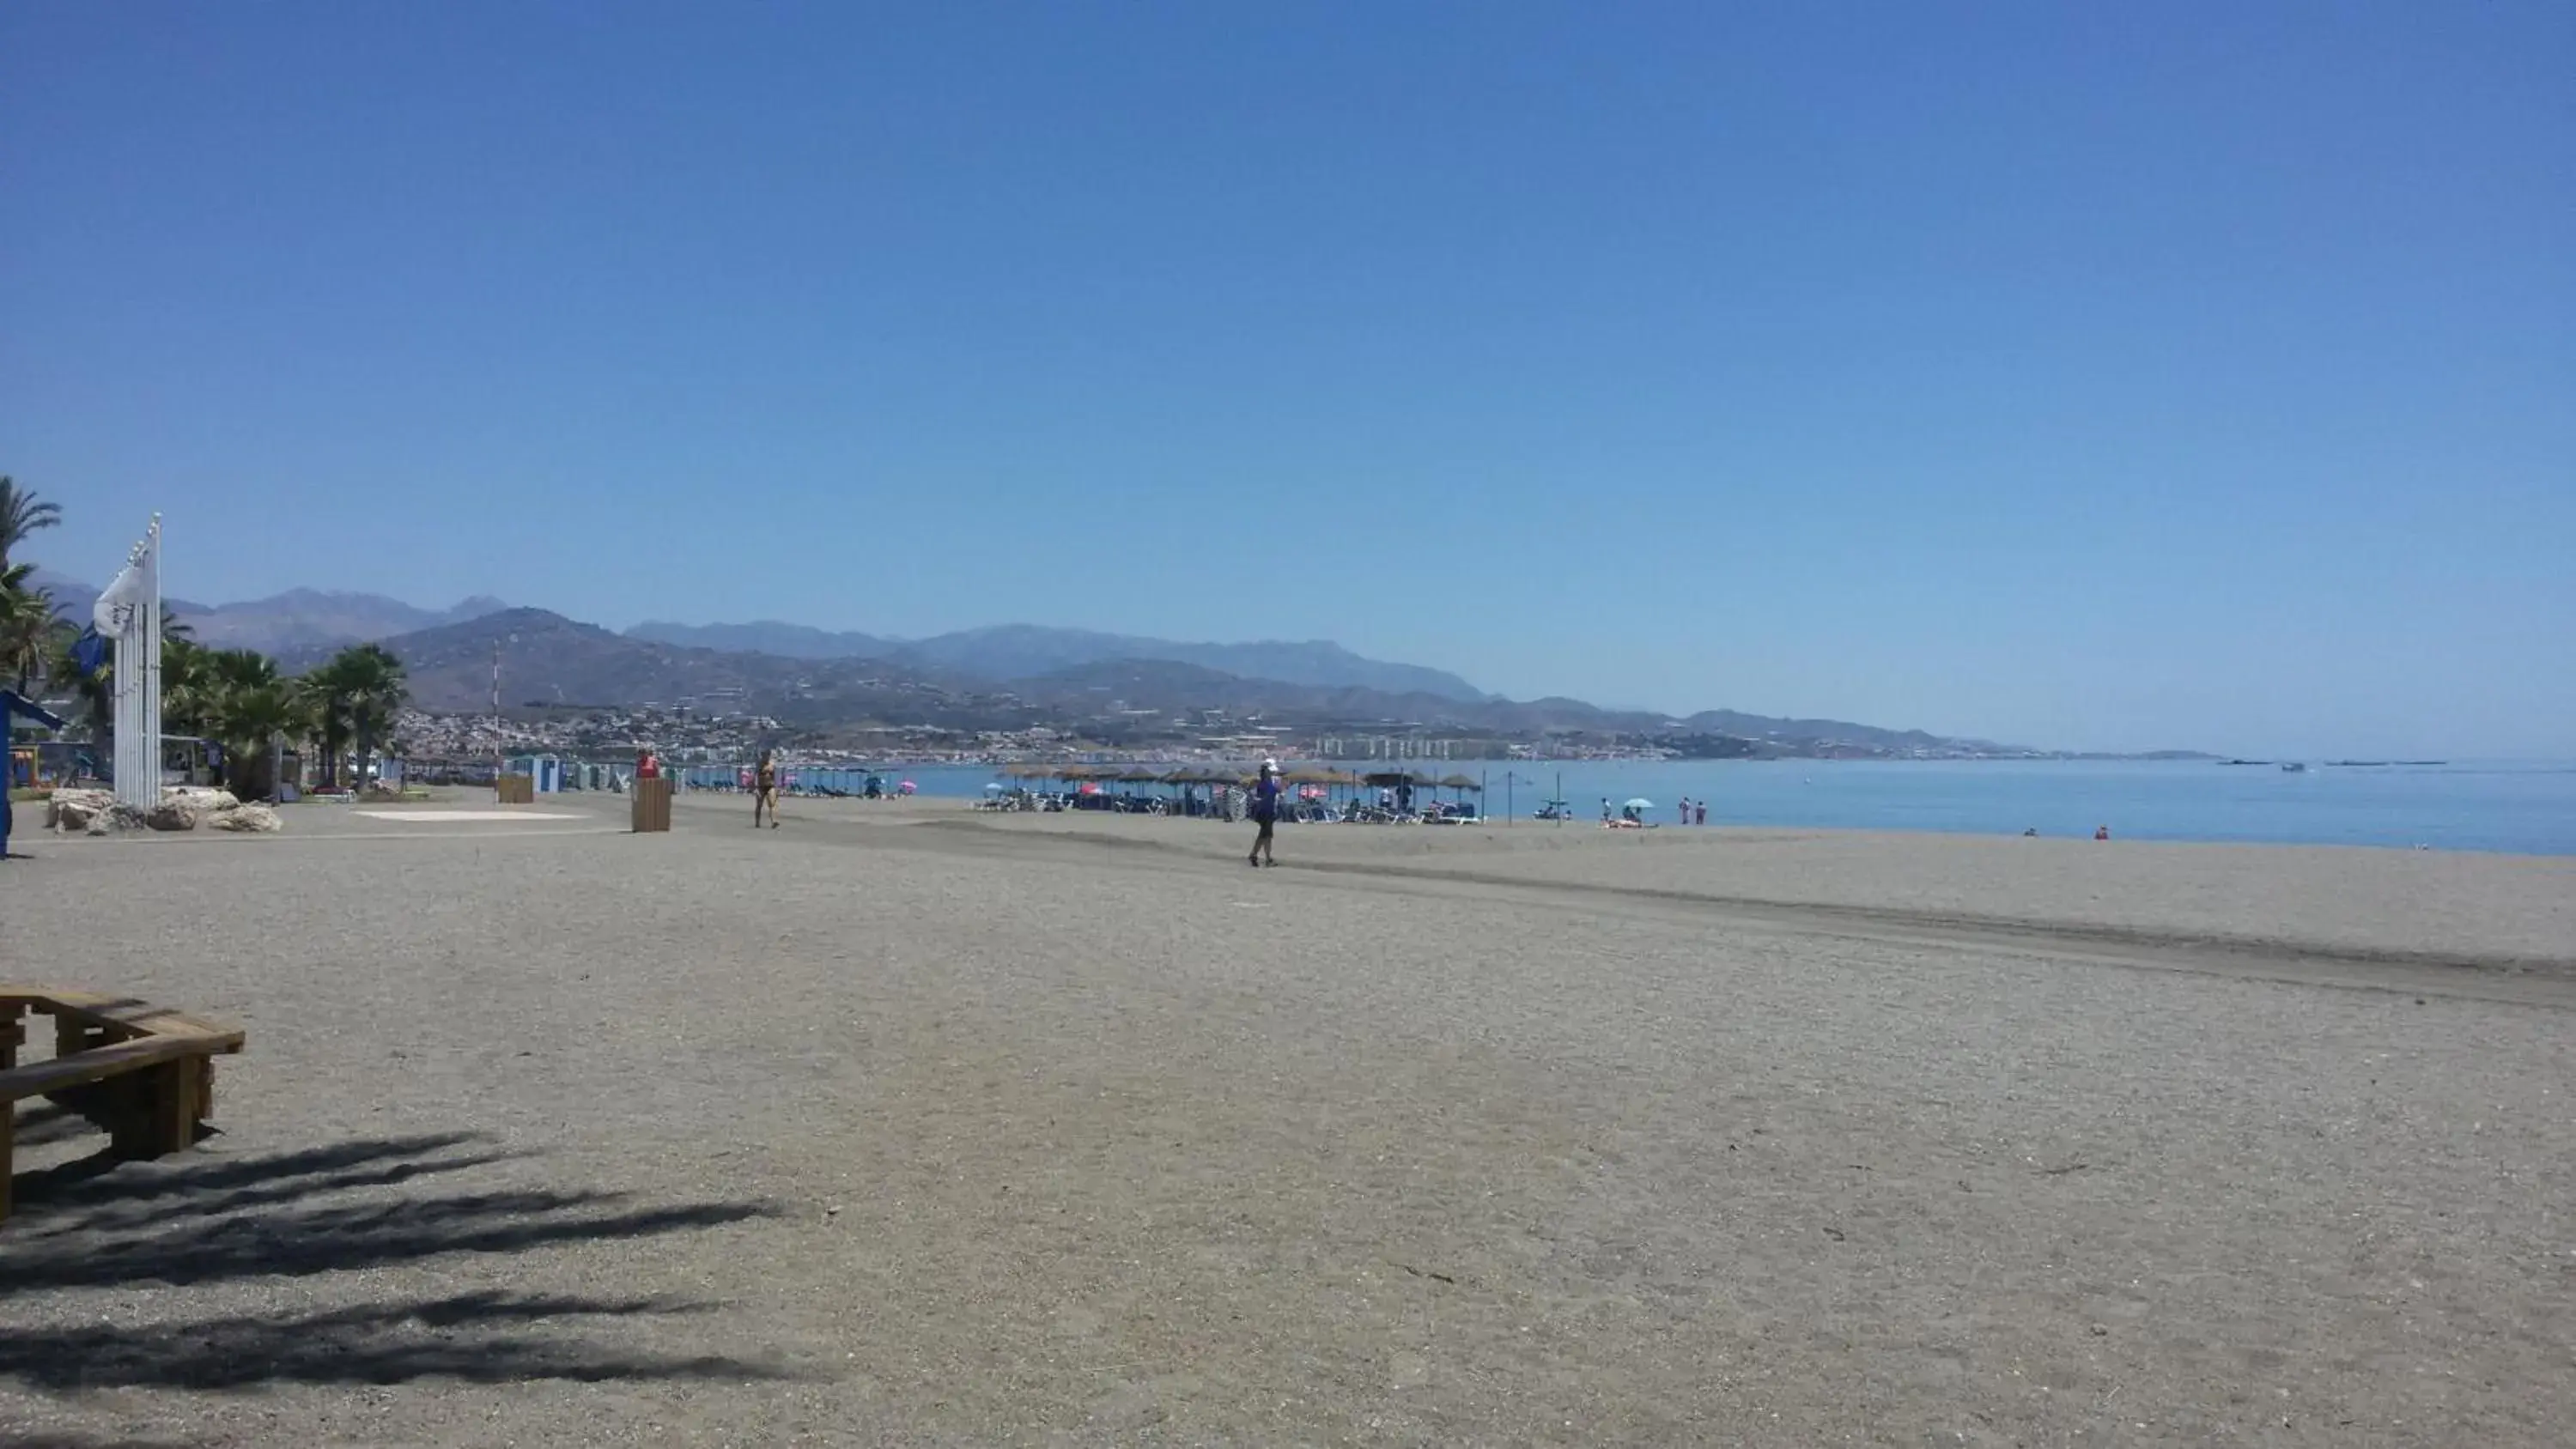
[2294, 768]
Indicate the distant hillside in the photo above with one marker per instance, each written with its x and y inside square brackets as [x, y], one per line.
[309, 618]
[767, 636]
[999, 677]
[73, 597]
[1029, 651]
[1170, 687]
[548, 660]
[290, 623]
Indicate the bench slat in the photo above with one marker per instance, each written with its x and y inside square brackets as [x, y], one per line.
[35, 1079]
[121, 1013]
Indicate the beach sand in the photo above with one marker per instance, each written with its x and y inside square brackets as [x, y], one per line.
[906, 1125]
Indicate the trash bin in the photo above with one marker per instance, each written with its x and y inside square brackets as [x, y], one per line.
[652, 805]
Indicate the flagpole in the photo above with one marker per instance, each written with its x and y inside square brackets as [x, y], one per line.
[152, 658]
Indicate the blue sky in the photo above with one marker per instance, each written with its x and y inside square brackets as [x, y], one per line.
[2095, 376]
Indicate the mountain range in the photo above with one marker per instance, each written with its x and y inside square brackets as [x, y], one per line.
[1006, 677]
[1025, 651]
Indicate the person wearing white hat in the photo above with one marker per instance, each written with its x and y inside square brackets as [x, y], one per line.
[1265, 813]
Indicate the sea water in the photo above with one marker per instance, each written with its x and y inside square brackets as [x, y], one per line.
[2522, 807]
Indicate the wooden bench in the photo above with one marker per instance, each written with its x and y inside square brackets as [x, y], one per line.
[144, 1073]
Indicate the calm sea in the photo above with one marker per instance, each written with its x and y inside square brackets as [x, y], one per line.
[2519, 807]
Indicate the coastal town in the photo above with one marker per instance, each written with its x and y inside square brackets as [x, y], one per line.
[464, 746]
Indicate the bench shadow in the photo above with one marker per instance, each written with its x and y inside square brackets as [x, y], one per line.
[44, 1124]
[184, 1222]
[483, 1338]
[203, 1180]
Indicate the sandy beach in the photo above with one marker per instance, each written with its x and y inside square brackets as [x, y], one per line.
[905, 1124]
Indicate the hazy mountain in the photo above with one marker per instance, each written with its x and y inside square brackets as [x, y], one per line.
[73, 597]
[1028, 651]
[549, 660]
[766, 636]
[1171, 687]
[971, 678]
[309, 618]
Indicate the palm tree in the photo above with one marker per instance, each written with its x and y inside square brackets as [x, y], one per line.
[26, 625]
[22, 513]
[188, 688]
[326, 720]
[252, 721]
[362, 687]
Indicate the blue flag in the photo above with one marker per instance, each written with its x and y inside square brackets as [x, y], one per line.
[89, 652]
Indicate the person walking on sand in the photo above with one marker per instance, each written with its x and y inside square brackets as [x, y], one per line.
[1265, 813]
[764, 790]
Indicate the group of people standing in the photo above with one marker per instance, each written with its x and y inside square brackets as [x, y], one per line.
[1633, 814]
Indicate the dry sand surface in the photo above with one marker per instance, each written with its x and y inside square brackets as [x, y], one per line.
[901, 1125]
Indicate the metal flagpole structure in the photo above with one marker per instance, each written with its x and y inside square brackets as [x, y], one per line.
[129, 613]
[152, 748]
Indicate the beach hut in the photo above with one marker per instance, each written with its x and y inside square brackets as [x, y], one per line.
[545, 772]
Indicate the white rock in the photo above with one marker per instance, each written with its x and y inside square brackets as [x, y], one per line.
[250, 818]
[173, 815]
[71, 810]
[119, 817]
[205, 800]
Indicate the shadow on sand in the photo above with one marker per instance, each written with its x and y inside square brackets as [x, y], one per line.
[201, 1221]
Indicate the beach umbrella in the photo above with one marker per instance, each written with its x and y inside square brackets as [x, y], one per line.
[996, 788]
[907, 787]
[1461, 782]
[1641, 804]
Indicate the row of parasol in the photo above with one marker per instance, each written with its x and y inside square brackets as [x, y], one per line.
[1139, 774]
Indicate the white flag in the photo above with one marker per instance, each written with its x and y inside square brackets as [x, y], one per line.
[122, 604]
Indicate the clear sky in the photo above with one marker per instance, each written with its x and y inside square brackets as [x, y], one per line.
[2109, 376]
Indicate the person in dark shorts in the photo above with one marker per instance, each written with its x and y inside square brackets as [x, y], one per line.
[764, 790]
[1265, 813]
